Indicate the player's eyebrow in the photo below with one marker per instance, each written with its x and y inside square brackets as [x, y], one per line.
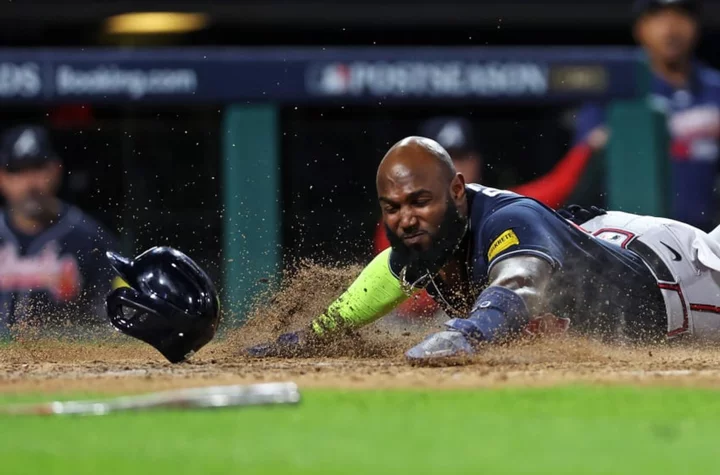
[419, 193]
[410, 197]
[388, 201]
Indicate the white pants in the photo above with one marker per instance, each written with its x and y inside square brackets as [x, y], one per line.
[691, 288]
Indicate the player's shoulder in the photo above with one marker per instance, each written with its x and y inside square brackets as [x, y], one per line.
[493, 207]
[486, 197]
[521, 209]
[487, 201]
[709, 77]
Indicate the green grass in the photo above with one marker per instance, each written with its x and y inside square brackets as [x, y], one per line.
[575, 430]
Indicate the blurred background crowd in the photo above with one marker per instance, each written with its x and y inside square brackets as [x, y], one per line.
[83, 175]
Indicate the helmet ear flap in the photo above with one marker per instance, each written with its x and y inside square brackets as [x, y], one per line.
[127, 296]
[114, 303]
[135, 315]
[144, 322]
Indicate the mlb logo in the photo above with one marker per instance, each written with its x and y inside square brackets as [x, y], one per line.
[331, 79]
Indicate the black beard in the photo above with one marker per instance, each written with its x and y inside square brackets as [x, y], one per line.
[442, 246]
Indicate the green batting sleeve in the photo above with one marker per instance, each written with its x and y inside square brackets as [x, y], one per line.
[374, 293]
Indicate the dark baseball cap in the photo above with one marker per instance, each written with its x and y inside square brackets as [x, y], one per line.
[455, 134]
[641, 7]
[25, 147]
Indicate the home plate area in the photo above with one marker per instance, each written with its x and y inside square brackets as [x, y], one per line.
[118, 366]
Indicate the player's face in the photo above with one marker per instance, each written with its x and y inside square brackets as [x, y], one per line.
[30, 192]
[414, 205]
[669, 35]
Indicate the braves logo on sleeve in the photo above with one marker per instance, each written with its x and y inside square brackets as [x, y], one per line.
[48, 271]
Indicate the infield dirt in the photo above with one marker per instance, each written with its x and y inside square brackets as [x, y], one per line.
[371, 358]
[128, 367]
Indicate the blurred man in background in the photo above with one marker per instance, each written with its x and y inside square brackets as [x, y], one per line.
[52, 265]
[456, 134]
[689, 93]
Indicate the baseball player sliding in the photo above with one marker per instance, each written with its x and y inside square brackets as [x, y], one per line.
[494, 260]
[497, 262]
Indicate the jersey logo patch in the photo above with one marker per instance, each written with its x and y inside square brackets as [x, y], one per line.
[48, 271]
[505, 240]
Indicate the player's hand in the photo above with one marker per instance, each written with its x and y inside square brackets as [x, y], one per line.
[579, 215]
[598, 138]
[286, 345]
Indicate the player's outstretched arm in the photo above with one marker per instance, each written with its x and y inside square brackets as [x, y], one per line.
[527, 276]
[515, 293]
[503, 309]
[374, 293]
[521, 244]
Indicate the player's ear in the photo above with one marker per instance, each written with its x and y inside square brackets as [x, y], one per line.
[56, 170]
[637, 31]
[457, 188]
[696, 32]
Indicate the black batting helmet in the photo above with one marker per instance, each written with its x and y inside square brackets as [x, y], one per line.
[170, 303]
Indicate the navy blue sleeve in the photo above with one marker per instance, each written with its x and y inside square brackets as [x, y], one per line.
[523, 227]
[588, 118]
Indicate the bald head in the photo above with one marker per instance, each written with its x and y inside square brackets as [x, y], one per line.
[419, 191]
[415, 154]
